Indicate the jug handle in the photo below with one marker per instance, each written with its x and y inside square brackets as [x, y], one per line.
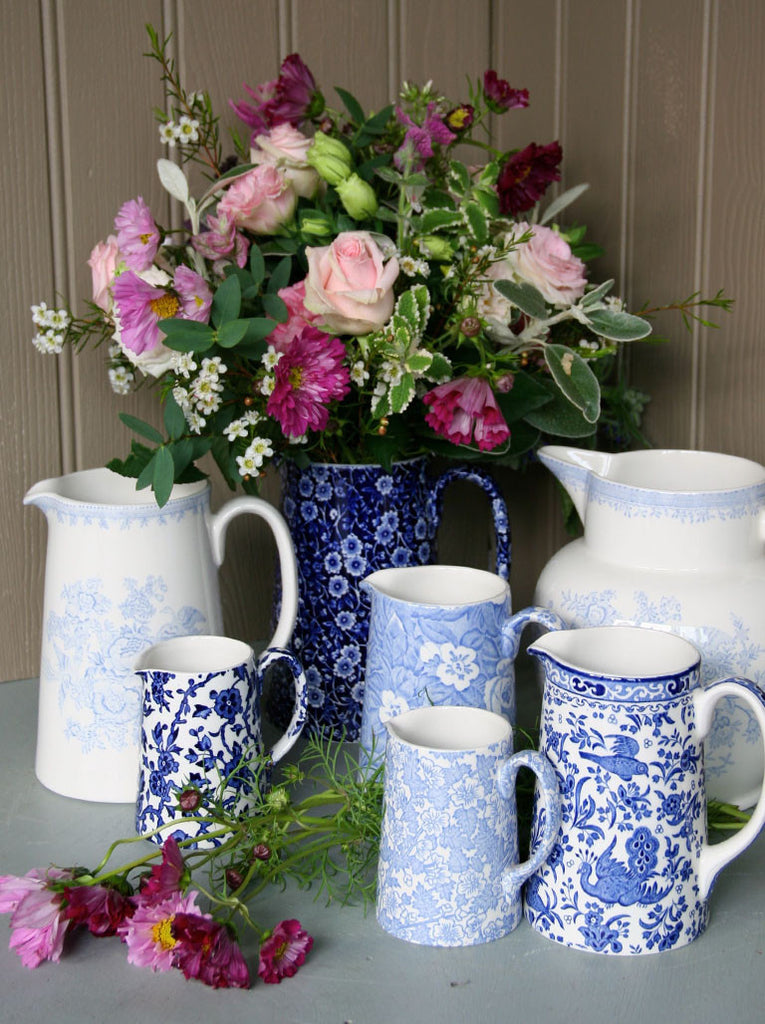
[218, 525]
[713, 858]
[550, 816]
[498, 509]
[512, 628]
[295, 727]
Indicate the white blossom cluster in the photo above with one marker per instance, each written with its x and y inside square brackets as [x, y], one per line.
[183, 131]
[53, 324]
[202, 396]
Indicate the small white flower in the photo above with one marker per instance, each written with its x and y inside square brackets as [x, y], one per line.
[359, 373]
[235, 429]
[267, 385]
[58, 319]
[184, 364]
[188, 130]
[168, 132]
[49, 342]
[207, 403]
[212, 369]
[195, 421]
[115, 350]
[181, 396]
[412, 267]
[260, 448]
[303, 439]
[270, 358]
[251, 417]
[391, 372]
[613, 302]
[121, 380]
[195, 98]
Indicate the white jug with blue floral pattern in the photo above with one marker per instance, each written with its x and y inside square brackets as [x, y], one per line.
[122, 574]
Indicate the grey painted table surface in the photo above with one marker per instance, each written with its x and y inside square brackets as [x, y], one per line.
[356, 972]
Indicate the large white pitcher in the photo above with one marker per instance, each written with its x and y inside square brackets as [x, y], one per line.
[673, 539]
[122, 574]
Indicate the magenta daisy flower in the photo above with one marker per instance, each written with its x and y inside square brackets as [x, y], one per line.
[140, 306]
[38, 921]
[167, 878]
[500, 96]
[205, 950]
[137, 234]
[149, 935]
[465, 408]
[289, 99]
[309, 374]
[283, 951]
[194, 292]
[102, 910]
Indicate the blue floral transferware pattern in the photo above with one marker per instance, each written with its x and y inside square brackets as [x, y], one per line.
[631, 870]
[202, 730]
[346, 522]
[448, 871]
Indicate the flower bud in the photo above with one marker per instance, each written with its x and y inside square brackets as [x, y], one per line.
[358, 197]
[330, 158]
[189, 800]
[437, 248]
[470, 326]
[234, 879]
[316, 224]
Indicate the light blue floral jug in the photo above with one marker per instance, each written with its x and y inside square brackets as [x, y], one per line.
[122, 574]
[624, 716]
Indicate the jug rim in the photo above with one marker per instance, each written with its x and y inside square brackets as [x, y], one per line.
[201, 653]
[497, 589]
[71, 490]
[457, 724]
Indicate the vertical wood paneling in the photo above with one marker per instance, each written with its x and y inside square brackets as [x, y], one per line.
[655, 104]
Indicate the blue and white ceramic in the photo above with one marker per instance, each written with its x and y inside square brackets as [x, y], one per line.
[448, 871]
[439, 634]
[201, 730]
[347, 521]
[121, 574]
[673, 539]
[624, 715]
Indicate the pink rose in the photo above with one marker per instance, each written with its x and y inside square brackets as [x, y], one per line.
[261, 200]
[546, 262]
[286, 147]
[349, 284]
[103, 262]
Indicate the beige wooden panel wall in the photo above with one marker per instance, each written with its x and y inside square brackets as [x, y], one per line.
[657, 105]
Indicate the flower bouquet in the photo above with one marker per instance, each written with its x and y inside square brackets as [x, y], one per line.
[345, 288]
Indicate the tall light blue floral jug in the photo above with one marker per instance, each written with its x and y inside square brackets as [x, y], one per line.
[673, 539]
[122, 574]
[624, 716]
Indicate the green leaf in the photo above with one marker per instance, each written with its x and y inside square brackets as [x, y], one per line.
[525, 297]
[377, 123]
[419, 362]
[590, 298]
[477, 222]
[619, 326]
[402, 393]
[140, 427]
[175, 421]
[225, 460]
[232, 332]
[488, 200]
[352, 105]
[523, 438]
[587, 251]
[276, 308]
[146, 475]
[163, 476]
[461, 174]
[258, 327]
[560, 418]
[187, 335]
[182, 452]
[257, 265]
[432, 220]
[525, 395]
[440, 367]
[280, 275]
[560, 204]
[134, 463]
[227, 301]
[575, 379]
[390, 175]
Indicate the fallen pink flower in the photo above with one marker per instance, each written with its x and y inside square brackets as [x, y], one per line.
[284, 951]
[38, 921]
[99, 908]
[206, 951]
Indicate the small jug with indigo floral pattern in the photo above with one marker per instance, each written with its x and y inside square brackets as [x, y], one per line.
[624, 716]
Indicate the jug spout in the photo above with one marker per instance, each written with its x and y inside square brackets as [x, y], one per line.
[44, 493]
[573, 468]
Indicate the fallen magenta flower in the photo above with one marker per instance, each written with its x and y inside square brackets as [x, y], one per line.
[283, 951]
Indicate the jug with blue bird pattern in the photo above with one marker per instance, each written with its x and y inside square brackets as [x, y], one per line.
[624, 716]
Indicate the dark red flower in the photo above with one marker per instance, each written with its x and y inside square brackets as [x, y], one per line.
[166, 878]
[101, 909]
[205, 950]
[289, 99]
[525, 177]
[500, 96]
[460, 118]
[283, 951]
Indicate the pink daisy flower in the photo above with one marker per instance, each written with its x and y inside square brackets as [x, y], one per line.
[309, 374]
[149, 935]
[194, 292]
[205, 950]
[283, 951]
[465, 408]
[38, 921]
[288, 99]
[140, 307]
[167, 878]
[221, 241]
[137, 234]
[299, 317]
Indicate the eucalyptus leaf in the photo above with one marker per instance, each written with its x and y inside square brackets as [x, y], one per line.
[163, 476]
[182, 451]
[173, 180]
[524, 296]
[619, 326]
[187, 335]
[258, 327]
[257, 265]
[280, 275]
[141, 427]
[175, 421]
[575, 379]
[232, 332]
[562, 201]
[146, 476]
[276, 308]
[227, 301]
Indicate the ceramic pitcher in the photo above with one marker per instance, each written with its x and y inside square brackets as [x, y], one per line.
[673, 539]
[448, 871]
[439, 634]
[121, 574]
[624, 716]
[201, 731]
